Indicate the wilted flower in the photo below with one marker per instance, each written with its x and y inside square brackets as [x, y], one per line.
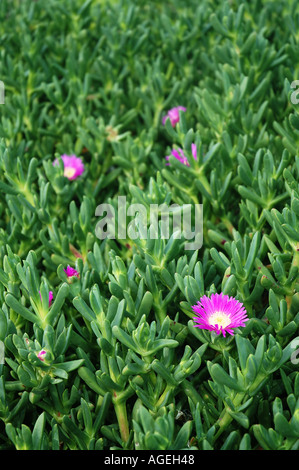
[41, 354]
[179, 155]
[173, 115]
[220, 313]
[73, 166]
[71, 272]
[112, 133]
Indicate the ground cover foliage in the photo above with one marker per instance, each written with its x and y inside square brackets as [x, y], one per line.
[124, 366]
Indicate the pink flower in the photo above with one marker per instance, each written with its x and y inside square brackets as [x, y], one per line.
[41, 355]
[73, 166]
[50, 297]
[173, 115]
[71, 272]
[220, 313]
[179, 155]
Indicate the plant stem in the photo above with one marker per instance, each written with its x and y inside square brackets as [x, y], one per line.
[122, 418]
[225, 418]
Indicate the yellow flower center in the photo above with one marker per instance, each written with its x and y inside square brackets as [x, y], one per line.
[69, 172]
[220, 319]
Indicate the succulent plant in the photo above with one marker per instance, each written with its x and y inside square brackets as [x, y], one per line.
[99, 348]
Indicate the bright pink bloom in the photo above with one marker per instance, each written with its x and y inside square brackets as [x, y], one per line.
[73, 166]
[41, 355]
[50, 297]
[71, 272]
[179, 155]
[220, 313]
[173, 115]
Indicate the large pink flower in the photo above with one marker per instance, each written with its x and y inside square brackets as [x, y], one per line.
[73, 166]
[173, 115]
[220, 313]
[180, 156]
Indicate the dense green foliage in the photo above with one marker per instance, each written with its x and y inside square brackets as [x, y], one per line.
[125, 368]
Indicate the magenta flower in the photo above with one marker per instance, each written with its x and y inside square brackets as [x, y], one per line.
[70, 272]
[73, 166]
[173, 115]
[50, 297]
[179, 155]
[41, 355]
[220, 313]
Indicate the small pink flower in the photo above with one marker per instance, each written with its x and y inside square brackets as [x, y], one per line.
[73, 166]
[173, 115]
[220, 313]
[50, 297]
[41, 355]
[71, 272]
[179, 155]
